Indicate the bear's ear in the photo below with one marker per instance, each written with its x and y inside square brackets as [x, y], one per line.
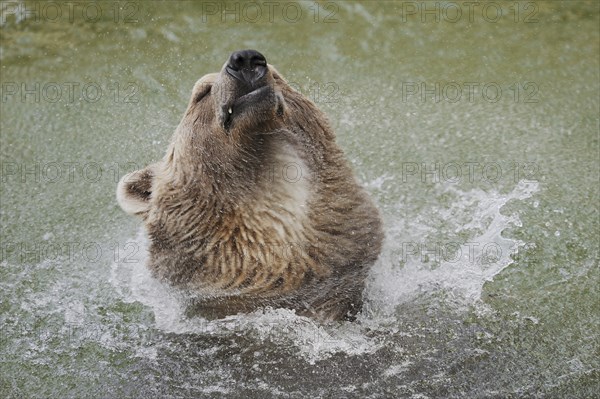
[134, 191]
[203, 86]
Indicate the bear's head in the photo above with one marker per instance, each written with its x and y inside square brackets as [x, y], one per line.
[254, 200]
[218, 197]
[220, 137]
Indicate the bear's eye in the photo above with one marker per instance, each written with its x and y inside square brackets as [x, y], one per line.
[203, 92]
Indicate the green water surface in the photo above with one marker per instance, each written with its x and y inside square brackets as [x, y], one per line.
[90, 96]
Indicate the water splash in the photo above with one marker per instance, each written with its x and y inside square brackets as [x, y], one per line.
[401, 274]
[314, 341]
[457, 250]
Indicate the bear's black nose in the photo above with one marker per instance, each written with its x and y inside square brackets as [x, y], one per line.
[246, 59]
[247, 65]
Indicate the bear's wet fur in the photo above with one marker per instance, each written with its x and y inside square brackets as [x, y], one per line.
[254, 203]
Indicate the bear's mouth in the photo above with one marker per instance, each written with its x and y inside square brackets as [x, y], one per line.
[253, 102]
[247, 95]
[248, 76]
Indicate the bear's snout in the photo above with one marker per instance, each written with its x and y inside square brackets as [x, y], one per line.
[247, 66]
[245, 93]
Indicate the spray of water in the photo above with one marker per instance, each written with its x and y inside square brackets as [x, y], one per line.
[414, 262]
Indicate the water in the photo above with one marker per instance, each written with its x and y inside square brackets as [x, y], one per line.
[487, 285]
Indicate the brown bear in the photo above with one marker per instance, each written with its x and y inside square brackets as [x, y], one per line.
[254, 203]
